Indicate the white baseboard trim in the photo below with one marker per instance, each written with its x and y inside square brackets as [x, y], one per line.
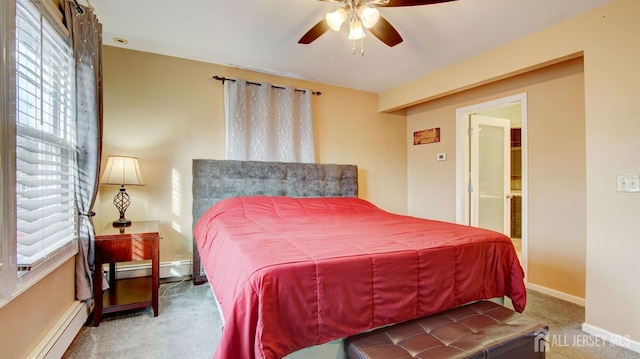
[58, 339]
[616, 339]
[167, 269]
[557, 294]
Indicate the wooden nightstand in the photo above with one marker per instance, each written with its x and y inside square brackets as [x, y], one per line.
[137, 242]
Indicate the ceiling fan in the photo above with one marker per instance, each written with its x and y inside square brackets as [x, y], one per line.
[363, 13]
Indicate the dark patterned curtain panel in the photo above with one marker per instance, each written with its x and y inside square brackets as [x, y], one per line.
[86, 36]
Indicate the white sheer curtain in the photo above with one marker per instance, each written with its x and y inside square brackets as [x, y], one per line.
[267, 123]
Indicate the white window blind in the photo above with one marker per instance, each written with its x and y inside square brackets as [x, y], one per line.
[45, 139]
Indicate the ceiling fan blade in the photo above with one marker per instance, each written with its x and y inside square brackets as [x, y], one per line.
[314, 33]
[384, 31]
[398, 3]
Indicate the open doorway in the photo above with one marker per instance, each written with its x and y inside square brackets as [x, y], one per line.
[491, 167]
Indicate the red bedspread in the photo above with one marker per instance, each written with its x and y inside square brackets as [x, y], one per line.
[294, 272]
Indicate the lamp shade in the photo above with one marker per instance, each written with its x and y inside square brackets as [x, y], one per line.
[368, 15]
[356, 32]
[122, 170]
[336, 18]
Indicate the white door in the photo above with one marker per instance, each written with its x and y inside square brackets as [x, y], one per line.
[490, 173]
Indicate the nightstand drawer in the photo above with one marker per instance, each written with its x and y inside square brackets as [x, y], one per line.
[125, 250]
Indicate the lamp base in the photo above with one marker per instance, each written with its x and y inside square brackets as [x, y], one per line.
[122, 222]
[121, 201]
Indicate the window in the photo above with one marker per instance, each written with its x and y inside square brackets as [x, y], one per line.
[41, 211]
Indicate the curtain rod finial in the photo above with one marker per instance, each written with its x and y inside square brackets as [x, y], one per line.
[223, 79]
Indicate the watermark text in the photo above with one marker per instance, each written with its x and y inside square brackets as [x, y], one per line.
[543, 341]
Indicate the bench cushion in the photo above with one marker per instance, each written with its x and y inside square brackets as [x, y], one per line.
[478, 330]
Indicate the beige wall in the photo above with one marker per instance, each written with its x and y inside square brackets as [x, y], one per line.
[556, 168]
[608, 38]
[27, 319]
[167, 111]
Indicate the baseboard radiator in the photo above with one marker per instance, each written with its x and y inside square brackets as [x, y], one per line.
[175, 269]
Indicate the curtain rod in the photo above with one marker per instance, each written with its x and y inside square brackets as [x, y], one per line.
[78, 8]
[223, 79]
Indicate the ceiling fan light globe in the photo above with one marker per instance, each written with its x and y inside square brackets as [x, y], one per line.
[336, 18]
[368, 15]
[356, 31]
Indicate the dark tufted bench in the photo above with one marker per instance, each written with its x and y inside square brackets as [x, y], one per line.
[478, 330]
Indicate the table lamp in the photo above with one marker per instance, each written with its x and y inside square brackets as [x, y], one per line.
[122, 171]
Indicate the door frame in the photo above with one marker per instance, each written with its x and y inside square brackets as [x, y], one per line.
[462, 161]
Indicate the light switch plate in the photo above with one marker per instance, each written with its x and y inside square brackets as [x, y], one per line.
[628, 183]
[441, 157]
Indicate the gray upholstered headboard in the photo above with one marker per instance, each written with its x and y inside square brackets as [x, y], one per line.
[214, 180]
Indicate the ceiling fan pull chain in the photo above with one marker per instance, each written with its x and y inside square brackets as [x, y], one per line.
[353, 46]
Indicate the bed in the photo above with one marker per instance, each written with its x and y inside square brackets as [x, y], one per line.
[295, 259]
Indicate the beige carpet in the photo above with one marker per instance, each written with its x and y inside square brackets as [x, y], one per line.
[188, 327]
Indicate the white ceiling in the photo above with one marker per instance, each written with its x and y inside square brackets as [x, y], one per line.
[262, 35]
